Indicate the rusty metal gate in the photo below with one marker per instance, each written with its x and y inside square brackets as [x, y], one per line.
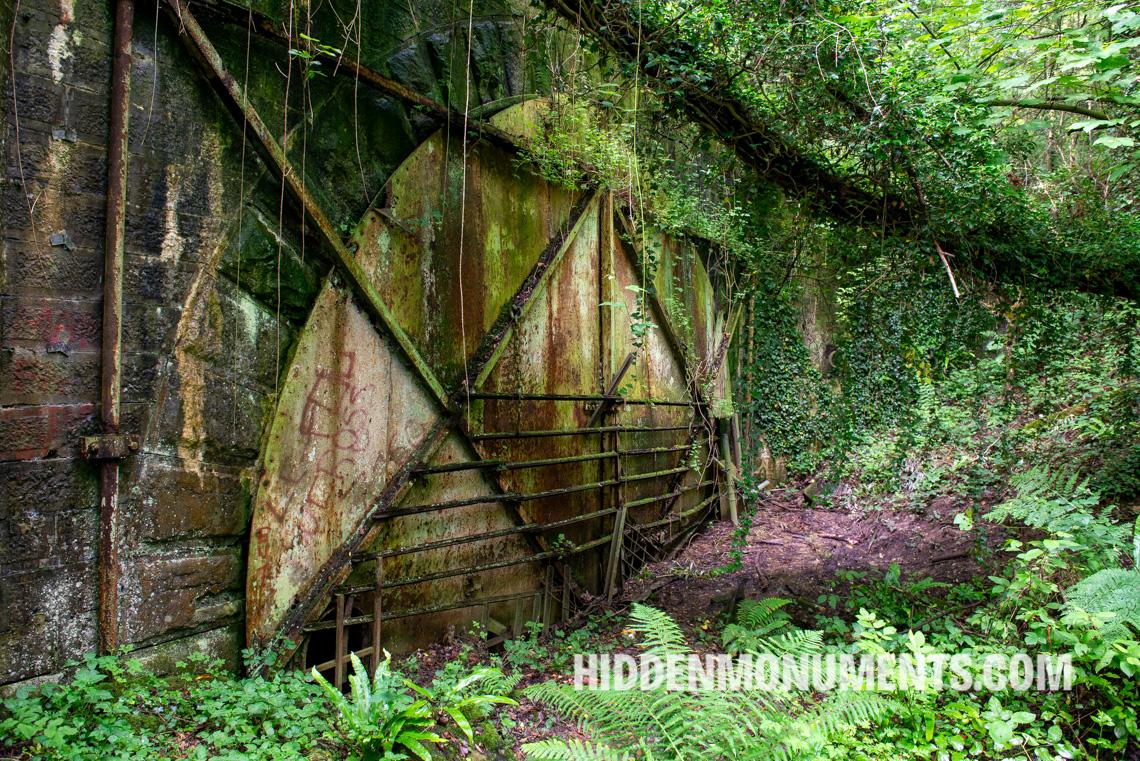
[571, 449]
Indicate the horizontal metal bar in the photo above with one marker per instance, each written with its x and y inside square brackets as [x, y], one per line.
[551, 554]
[559, 461]
[567, 490]
[529, 528]
[524, 497]
[362, 653]
[506, 397]
[656, 450]
[680, 516]
[505, 465]
[502, 465]
[655, 474]
[660, 497]
[408, 612]
[455, 467]
[575, 432]
[486, 499]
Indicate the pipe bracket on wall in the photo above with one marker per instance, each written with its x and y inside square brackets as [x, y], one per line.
[109, 446]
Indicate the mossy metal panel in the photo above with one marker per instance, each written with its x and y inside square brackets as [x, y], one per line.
[448, 246]
[349, 411]
[659, 373]
[554, 349]
[403, 634]
[447, 260]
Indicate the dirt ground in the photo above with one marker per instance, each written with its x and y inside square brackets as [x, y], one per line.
[793, 550]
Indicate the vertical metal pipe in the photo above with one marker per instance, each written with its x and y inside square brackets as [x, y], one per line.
[339, 645]
[377, 616]
[613, 567]
[724, 424]
[111, 349]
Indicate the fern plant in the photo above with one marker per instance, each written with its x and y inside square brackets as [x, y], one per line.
[458, 699]
[738, 725]
[1063, 505]
[763, 628]
[381, 720]
[1115, 591]
[573, 750]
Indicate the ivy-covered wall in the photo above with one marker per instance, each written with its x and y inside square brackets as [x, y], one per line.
[831, 351]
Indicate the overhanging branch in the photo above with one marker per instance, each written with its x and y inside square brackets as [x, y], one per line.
[1049, 105]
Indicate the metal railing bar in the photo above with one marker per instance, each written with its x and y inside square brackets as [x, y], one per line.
[508, 397]
[548, 555]
[529, 528]
[575, 432]
[660, 497]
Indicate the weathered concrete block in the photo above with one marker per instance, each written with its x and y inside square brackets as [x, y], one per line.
[32, 377]
[147, 278]
[47, 486]
[76, 537]
[47, 430]
[54, 157]
[28, 268]
[32, 539]
[81, 216]
[60, 325]
[27, 536]
[235, 419]
[208, 416]
[147, 327]
[177, 500]
[170, 593]
[140, 374]
[224, 643]
[51, 619]
[265, 263]
[235, 335]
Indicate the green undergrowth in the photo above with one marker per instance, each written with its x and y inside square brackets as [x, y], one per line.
[114, 707]
[1048, 600]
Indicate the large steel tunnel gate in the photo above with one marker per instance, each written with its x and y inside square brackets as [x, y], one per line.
[472, 426]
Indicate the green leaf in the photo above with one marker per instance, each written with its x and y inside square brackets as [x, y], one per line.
[1088, 125]
[460, 721]
[1110, 141]
[1112, 62]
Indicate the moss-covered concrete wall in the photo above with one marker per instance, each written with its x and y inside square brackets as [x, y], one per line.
[220, 274]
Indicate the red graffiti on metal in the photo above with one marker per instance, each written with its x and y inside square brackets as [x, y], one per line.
[331, 448]
[335, 433]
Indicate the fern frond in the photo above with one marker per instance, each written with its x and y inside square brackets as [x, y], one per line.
[572, 750]
[582, 706]
[498, 683]
[761, 614]
[798, 642]
[1116, 591]
[730, 725]
[1062, 503]
[845, 709]
[737, 639]
[660, 634]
